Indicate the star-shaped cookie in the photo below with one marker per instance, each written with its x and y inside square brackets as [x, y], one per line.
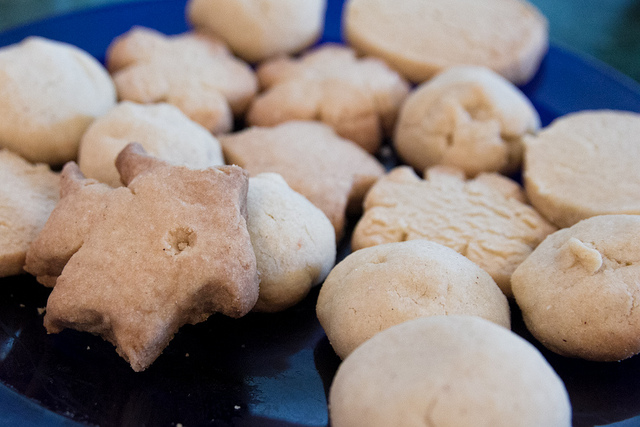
[133, 264]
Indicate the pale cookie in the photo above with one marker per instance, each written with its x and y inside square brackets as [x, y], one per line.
[194, 72]
[444, 371]
[375, 288]
[133, 264]
[467, 117]
[584, 164]
[479, 218]
[50, 92]
[294, 242]
[259, 29]
[332, 172]
[162, 130]
[358, 97]
[579, 291]
[28, 194]
[420, 38]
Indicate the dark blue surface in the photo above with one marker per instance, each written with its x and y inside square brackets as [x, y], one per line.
[262, 370]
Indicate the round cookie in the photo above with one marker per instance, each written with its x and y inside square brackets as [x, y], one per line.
[51, 92]
[375, 288]
[578, 290]
[420, 38]
[584, 164]
[162, 130]
[443, 371]
[28, 194]
[259, 29]
[468, 117]
[294, 242]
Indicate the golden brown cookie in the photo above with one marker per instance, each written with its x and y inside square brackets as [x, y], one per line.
[467, 117]
[194, 72]
[51, 92]
[332, 172]
[441, 371]
[579, 291]
[421, 38]
[479, 218]
[358, 97]
[584, 164]
[162, 130]
[375, 288]
[259, 29]
[135, 263]
[28, 194]
[294, 242]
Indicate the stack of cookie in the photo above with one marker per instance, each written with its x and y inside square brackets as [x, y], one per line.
[204, 184]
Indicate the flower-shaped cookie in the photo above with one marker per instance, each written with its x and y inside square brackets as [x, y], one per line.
[484, 219]
[133, 264]
[194, 72]
[359, 98]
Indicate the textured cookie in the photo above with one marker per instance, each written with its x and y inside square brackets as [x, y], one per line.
[584, 164]
[332, 172]
[294, 242]
[28, 194]
[133, 264]
[445, 371]
[420, 38]
[467, 117]
[194, 72]
[375, 288]
[358, 97]
[162, 130]
[51, 92]
[479, 218]
[579, 291]
[258, 29]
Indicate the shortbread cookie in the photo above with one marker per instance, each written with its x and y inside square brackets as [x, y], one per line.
[133, 264]
[584, 164]
[294, 242]
[50, 92]
[259, 29]
[444, 371]
[358, 98]
[579, 291]
[28, 194]
[375, 288]
[332, 172]
[162, 130]
[420, 38]
[194, 72]
[479, 218]
[467, 117]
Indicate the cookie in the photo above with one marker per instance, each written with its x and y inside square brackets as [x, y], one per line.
[584, 164]
[578, 290]
[332, 172]
[259, 29]
[28, 194]
[375, 288]
[162, 130]
[51, 92]
[294, 242]
[358, 97]
[421, 38]
[467, 117]
[133, 264]
[194, 72]
[479, 218]
[447, 371]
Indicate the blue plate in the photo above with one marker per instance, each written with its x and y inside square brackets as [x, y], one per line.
[261, 370]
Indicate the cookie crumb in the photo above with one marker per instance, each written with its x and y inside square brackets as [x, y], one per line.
[22, 306]
[186, 355]
[41, 310]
